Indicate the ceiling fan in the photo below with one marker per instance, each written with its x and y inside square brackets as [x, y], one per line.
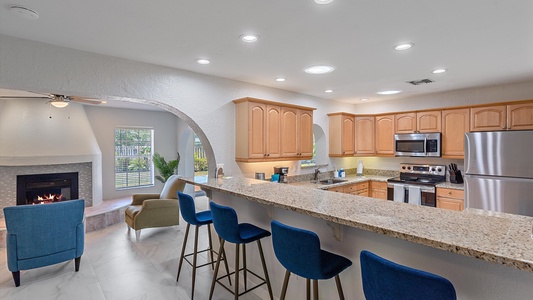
[56, 100]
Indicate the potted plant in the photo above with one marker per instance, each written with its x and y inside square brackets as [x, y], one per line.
[166, 169]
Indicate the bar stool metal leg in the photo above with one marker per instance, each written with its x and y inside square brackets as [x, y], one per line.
[339, 287]
[315, 289]
[267, 279]
[194, 260]
[215, 274]
[285, 284]
[308, 288]
[211, 246]
[245, 277]
[183, 250]
[237, 246]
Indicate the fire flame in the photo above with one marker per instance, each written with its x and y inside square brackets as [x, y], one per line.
[48, 199]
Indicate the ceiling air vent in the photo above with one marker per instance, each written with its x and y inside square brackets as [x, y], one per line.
[419, 82]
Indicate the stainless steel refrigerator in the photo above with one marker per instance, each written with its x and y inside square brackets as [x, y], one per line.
[499, 171]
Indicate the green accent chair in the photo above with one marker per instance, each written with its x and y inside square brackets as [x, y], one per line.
[43, 235]
[155, 210]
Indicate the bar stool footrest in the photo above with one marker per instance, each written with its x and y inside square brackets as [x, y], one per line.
[245, 291]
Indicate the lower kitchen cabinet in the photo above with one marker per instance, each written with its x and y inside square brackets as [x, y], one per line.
[450, 199]
[359, 189]
[379, 189]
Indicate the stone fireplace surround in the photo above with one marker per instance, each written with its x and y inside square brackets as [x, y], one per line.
[8, 180]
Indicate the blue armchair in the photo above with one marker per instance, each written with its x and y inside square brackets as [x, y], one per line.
[42, 235]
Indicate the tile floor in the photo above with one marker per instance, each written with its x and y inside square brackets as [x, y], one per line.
[114, 266]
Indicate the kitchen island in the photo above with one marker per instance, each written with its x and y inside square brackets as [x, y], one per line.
[485, 256]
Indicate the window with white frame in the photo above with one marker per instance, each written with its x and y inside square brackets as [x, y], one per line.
[133, 157]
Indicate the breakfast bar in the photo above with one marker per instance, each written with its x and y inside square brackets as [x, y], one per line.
[485, 255]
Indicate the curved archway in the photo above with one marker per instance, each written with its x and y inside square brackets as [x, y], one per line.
[211, 161]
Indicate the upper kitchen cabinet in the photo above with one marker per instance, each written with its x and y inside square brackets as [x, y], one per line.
[488, 118]
[259, 131]
[341, 134]
[364, 135]
[297, 133]
[385, 135]
[517, 116]
[455, 122]
[405, 122]
[520, 116]
[424, 121]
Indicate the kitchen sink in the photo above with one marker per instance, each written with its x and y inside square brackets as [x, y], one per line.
[332, 181]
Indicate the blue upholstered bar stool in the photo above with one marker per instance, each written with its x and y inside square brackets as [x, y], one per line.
[189, 214]
[298, 250]
[384, 280]
[228, 228]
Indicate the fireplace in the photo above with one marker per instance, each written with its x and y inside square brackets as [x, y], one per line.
[61, 186]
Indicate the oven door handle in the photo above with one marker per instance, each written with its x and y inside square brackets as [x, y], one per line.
[425, 145]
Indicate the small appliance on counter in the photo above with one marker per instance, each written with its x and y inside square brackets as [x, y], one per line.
[282, 172]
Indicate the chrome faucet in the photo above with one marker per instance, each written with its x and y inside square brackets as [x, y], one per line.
[317, 171]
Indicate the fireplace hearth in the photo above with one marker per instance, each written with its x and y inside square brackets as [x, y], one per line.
[61, 186]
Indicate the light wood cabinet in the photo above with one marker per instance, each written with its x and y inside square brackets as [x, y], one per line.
[338, 189]
[364, 135]
[405, 123]
[455, 123]
[359, 189]
[428, 121]
[385, 135]
[520, 116]
[425, 121]
[450, 199]
[488, 118]
[379, 189]
[341, 134]
[270, 131]
[297, 133]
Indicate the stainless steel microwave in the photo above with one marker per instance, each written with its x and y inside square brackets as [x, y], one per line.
[417, 144]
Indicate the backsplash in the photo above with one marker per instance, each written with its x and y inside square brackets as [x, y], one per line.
[351, 171]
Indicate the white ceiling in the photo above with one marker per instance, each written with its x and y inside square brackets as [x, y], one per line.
[479, 42]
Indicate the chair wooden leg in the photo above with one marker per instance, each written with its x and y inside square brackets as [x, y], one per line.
[77, 261]
[183, 250]
[315, 289]
[137, 235]
[308, 288]
[236, 292]
[267, 279]
[339, 287]
[285, 284]
[220, 250]
[16, 278]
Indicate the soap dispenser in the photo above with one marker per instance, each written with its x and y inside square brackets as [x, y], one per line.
[360, 168]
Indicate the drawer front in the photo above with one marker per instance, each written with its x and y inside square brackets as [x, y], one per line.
[379, 185]
[353, 188]
[339, 189]
[449, 203]
[450, 193]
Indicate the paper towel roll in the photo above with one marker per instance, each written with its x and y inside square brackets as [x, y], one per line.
[360, 168]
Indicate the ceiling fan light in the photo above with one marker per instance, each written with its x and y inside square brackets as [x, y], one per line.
[59, 104]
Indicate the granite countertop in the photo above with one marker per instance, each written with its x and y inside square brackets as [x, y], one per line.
[502, 238]
[449, 185]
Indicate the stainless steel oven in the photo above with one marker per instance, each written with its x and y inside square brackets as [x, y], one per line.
[417, 144]
[420, 179]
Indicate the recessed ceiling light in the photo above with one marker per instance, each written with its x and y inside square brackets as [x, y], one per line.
[202, 61]
[249, 38]
[319, 69]
[438, 71]
[402, 47]
[328, 91]
[323, 1]
[280, 79]
[364, 99]
[391, 92]
[24, 12]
